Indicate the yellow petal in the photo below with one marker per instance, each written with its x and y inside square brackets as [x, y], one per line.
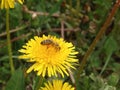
[20, 1]
[6, 5]
[11, 3]
[2, 4]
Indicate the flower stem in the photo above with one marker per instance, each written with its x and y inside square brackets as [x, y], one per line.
[39, 83]
[9, 42]
[97, 38]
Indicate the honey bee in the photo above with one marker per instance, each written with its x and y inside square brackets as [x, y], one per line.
[52, 43]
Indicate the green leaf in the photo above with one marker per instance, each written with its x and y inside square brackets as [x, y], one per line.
[110, 45]
[16, 82]
[113, 79]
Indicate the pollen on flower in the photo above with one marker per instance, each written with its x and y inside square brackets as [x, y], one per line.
[49, 55]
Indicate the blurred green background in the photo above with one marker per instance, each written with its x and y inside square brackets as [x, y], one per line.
[77, 21]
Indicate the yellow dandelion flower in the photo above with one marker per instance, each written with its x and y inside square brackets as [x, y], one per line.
[57, 85]
[49, 55]
[9, 3]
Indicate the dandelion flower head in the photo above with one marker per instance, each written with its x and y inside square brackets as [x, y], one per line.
[49, 55]
[9, 3]
[57, 85]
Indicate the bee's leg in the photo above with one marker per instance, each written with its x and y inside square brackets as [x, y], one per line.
[48, 46]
